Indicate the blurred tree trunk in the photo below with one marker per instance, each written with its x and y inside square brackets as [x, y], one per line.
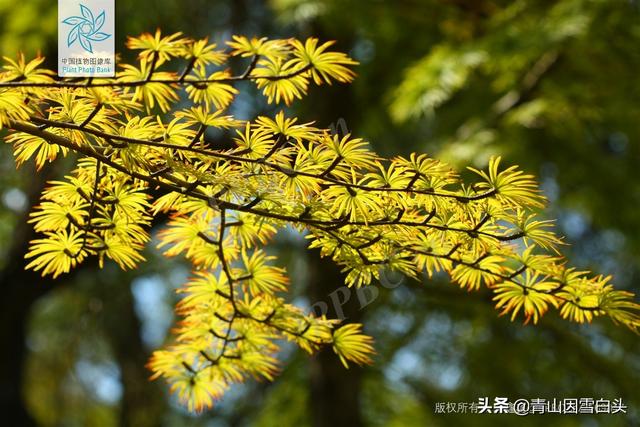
[142, 401]
[20, 290]
[335, 391]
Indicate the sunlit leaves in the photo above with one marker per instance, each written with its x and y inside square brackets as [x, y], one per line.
[163, 48]
[532, 297]
[196, 389]
[581, 297]
[538, 232]
[203, 53]
[52, 216]
[204, 117]
[21, 70]
[245, 47]
[186, 234]
[253, 143]
[353, 203]
[203, 291]
[485, 270]
[12, 107]
[57, 253]
[511, 185]
[151, 94]
[218, 95]
[286, 127]
[26, 146]
[128, 200]
[391, 177]
[224, 340]
[251, 230]
[351, 345]
[125, 252]
[107, 216]
[353, 152]
[620, 307]
[70, 108]
[424, 172]
[261, 277]
[278, 89]
[325, 65]
[413, 215]
[175, 132]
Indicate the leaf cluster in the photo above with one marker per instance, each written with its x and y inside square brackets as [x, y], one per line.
[410, 214]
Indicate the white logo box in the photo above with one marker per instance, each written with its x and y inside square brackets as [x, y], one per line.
[86, 33]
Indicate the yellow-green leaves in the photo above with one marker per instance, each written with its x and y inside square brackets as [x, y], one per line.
[280, 68]
[201, 53]
[164, 48]
[286, 127]
[205, 117]
[511, 185]
[325, 66]
[486, 270]
[12, 107]
[538, 232]
[349, 152]
[197, 389]
[351, 345]
[26, 146]
[231, 322]
[57, 253]
[152, 93]
[297, 61]
[413, 215]
[278, 89]
[20, 70]
[84, 216]
[353, 203]
[260, 277]
[218, 95]
[246, 47]
[532, 295]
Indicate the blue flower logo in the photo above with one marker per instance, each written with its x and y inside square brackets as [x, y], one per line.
[86, 29]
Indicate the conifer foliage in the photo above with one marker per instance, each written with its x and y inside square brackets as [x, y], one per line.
[414, 215]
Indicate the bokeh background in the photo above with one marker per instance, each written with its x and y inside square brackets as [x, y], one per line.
[553, 86]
